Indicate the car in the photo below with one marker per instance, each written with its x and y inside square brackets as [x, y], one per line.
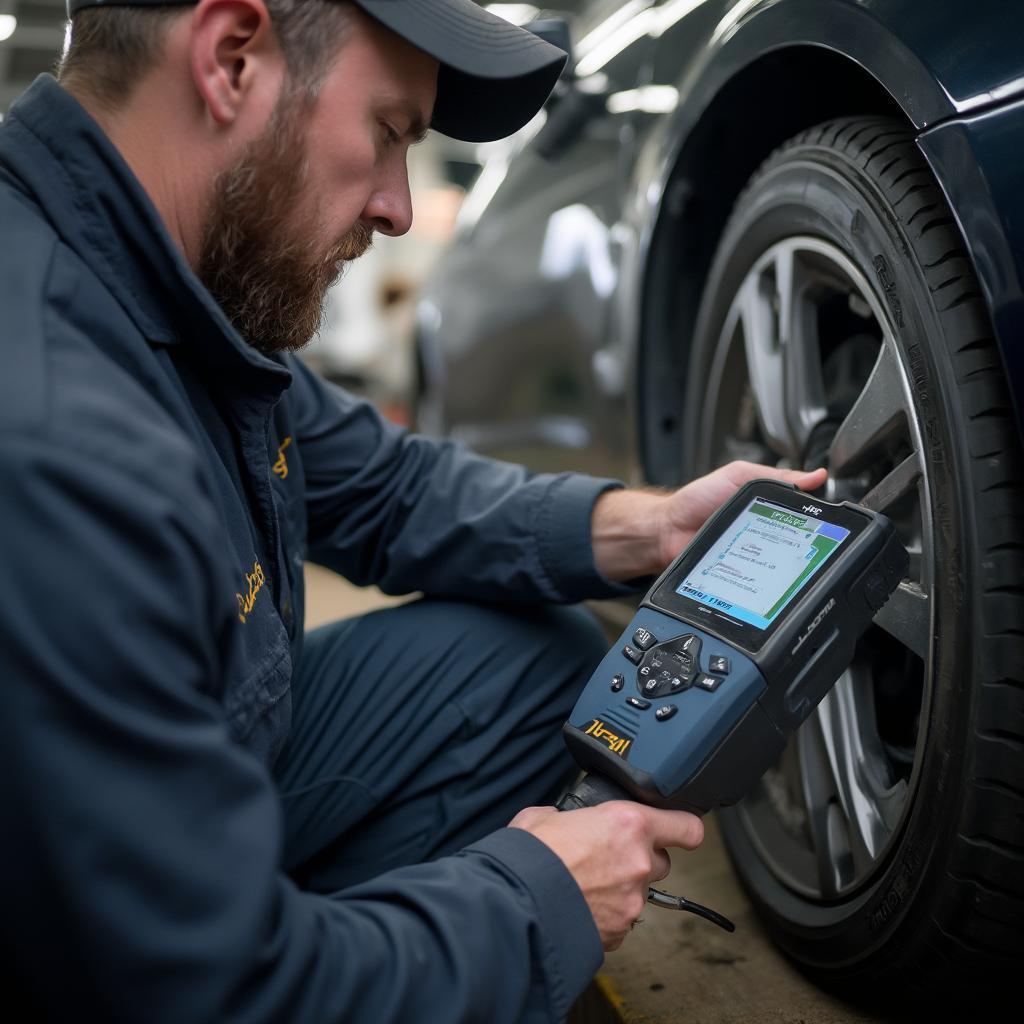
[792, 231]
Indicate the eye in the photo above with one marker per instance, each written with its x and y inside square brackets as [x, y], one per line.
[391, 135]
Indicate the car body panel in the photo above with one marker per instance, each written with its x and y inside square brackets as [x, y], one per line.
[906, 54]
[525, 378]
[533, 325]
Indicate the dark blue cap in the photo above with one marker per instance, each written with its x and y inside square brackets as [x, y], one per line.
[494, 75]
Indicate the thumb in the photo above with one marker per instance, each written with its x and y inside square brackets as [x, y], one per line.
[806, 480]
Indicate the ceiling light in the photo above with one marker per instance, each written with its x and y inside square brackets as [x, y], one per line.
[8, 23]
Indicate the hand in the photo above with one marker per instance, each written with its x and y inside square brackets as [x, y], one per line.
[638, 533]
[614, 851]
[689, 508]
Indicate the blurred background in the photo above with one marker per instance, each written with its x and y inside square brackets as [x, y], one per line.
[366, 340]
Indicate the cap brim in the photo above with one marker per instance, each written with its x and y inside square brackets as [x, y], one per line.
[494, 75]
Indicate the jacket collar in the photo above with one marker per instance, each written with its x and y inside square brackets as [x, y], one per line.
[99, 209]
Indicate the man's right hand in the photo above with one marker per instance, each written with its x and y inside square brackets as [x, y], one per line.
[614, 851]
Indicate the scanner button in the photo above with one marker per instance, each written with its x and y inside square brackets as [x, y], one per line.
[655, 663]
[633, 654]
[650, 686]
[638, 702]
[709, 683]
[665, 711]
[686, 669]
[645, 670]
[677, 683]
[718, 663]
[644, 638]
[617, 683]
[688, 646]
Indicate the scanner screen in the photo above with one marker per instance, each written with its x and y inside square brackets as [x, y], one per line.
[761, 561]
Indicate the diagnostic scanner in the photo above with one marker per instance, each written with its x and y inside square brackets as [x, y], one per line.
[731, 649]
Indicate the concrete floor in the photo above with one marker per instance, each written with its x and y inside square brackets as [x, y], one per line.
[674, 967]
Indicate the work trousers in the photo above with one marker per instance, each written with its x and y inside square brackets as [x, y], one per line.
[420, 728]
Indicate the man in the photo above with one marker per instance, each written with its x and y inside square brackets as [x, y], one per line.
[208, 816]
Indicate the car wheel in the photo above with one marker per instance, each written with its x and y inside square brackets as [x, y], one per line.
[842, 325]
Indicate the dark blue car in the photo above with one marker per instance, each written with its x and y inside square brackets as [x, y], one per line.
[792, 231]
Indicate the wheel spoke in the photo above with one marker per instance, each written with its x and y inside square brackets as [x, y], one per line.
[852, 806]
[907, 617]
[831, 854]
[879, 407]
[801, 353]
[869, 802]
[764, 358]
[895, 484]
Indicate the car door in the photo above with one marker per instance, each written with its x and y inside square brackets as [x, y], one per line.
[519, 309]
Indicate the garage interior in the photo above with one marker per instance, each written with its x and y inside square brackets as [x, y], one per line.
[673, 968]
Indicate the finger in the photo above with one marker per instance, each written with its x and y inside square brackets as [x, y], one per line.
[661, 865]
[674, 828]
[530, 815]
[807, 480]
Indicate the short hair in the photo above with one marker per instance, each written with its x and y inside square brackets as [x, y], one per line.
[111, 48]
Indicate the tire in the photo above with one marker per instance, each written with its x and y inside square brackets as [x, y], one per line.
[842, 324]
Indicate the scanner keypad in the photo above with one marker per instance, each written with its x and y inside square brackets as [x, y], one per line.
[674, 666]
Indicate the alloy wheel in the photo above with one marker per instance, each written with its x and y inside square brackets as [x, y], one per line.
[807, 371]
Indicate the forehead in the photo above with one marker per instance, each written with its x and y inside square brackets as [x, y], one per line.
[376, 65]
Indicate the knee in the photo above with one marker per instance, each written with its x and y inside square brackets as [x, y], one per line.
[553, 647]
[578, 630]
[569, 644]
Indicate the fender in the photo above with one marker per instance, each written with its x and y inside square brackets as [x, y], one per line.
[701, 46]
[905, 49]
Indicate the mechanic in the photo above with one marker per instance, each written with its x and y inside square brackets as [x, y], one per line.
[207, 815]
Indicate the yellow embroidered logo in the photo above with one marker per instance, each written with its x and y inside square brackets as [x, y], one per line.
[281, 466]
[254, 582]
[615, 743]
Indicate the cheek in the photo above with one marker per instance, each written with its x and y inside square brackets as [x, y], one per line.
[342, 180]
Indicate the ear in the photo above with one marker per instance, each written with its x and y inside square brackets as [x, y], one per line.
[234, 54]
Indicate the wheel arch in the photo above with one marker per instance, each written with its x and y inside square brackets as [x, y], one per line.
[709, 171]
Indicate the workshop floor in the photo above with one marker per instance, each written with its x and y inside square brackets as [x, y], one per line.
[675, 967]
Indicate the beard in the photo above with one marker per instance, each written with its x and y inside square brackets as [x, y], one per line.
[260, 258]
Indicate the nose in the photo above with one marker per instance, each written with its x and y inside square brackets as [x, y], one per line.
[389, 208]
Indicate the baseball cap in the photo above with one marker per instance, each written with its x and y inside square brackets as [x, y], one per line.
[494, 75]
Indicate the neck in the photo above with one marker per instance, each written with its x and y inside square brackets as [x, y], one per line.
[158, 154]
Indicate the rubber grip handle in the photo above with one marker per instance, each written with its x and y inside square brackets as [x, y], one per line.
[590, 791]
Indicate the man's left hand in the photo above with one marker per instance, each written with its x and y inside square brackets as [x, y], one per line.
[638, 533]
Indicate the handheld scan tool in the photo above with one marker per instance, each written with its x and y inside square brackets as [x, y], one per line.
[732, 648]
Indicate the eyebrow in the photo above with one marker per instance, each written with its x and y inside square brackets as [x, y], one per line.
[417, 130]
[418, 127]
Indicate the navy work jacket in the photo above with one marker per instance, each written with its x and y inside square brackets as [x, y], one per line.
[161, 484]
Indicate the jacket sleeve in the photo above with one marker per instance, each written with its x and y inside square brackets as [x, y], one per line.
[408, 513]
[140, 851]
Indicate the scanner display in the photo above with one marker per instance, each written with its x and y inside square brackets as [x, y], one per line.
[733, 647]
[761, 562]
